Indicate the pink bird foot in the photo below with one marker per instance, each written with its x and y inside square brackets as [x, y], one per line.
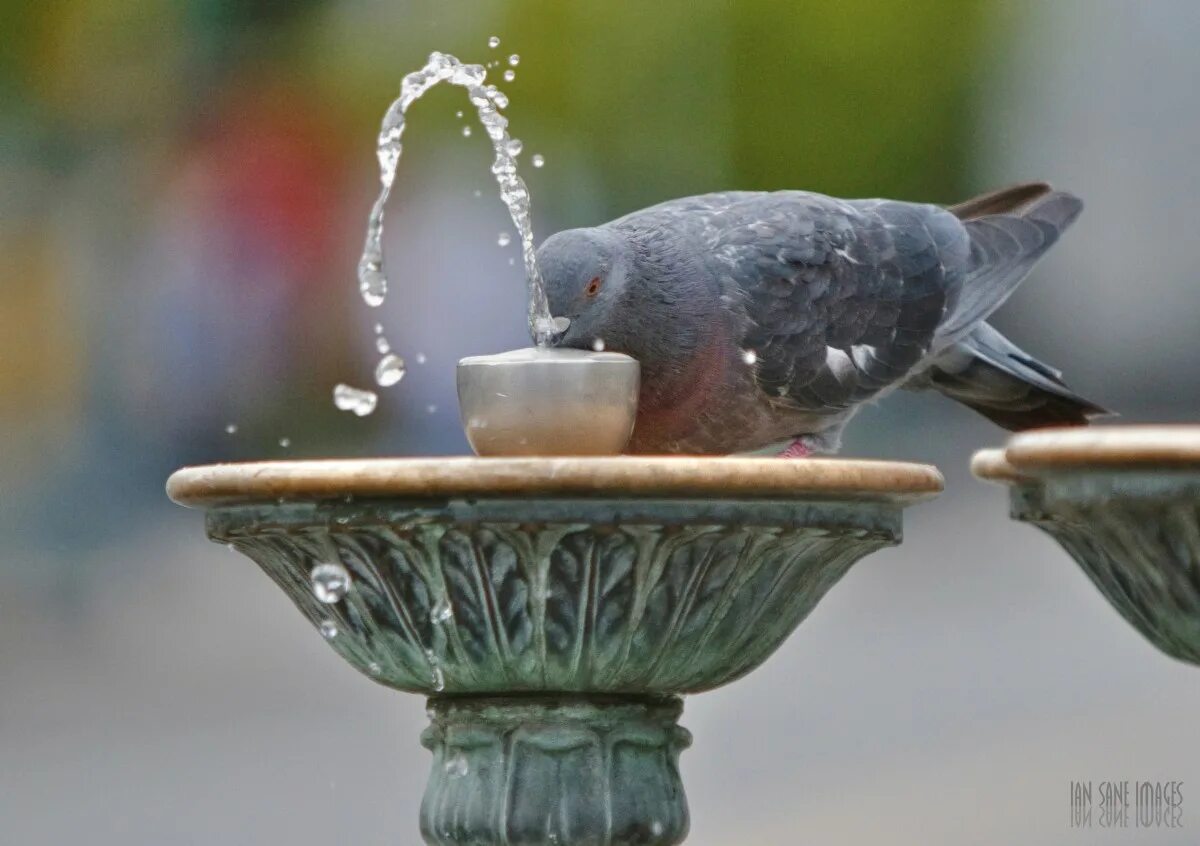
[796, 450]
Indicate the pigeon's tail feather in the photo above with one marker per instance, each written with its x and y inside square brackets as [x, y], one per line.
[1004, 248]
[1005, 200]
[989, 374]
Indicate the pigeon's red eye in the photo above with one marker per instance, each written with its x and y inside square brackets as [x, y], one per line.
[593, 287]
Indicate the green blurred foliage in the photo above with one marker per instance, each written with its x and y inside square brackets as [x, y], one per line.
[853, 98]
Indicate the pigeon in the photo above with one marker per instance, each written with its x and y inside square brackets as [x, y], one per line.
[768, 319]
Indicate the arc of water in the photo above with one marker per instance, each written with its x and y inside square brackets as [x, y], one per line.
[489, 101]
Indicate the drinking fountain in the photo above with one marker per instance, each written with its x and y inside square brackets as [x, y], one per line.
[554, 609]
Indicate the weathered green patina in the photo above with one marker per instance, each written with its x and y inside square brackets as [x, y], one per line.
[1137, 537]
[1125, 503]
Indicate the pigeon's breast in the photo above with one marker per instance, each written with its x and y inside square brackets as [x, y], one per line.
[712, 406]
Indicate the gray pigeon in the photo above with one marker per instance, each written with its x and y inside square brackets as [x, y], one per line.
[770, 318]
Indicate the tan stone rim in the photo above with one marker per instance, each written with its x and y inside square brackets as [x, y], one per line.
[990, 464]
[1132, 447]
[1106, 448]
[694, 477]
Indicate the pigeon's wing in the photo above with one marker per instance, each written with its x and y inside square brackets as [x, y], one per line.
[842, 299]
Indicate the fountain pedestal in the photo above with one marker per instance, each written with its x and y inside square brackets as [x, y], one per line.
[554, 609]
[559, 769]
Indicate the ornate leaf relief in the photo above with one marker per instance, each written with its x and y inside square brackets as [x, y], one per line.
[478, 606]
[1143, 555]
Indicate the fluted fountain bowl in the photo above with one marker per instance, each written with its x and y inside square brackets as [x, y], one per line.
[552, 608]
[1124, 501]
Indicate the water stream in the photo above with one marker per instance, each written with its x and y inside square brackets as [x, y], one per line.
[489, 102]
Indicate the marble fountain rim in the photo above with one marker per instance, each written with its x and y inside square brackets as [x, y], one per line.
[1106, 449]
[675, 477]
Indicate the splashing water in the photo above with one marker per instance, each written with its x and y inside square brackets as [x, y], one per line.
[435, 671]
[441, 612]
[457, 765]
[390, 370]
[358, 400]
[330, 583]
[488, 101]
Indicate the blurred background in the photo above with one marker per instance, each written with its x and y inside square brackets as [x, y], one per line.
[185, 184]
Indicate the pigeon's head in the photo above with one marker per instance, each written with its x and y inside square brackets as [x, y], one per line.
[584, 272]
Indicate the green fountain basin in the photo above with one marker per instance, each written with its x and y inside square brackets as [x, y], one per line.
[1124, 502]
[554, 608]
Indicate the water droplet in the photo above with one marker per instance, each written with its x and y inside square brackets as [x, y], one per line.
[598, 345]
[421, 359]
[285, 442]
[514, 147]
[390, 370]
[552, 326]
[510, 75]
[458, 114]
[374, 669]
[372, 284]
[538, 160]
[360, 401]
[330, 582]
[514, 60]
[441, 612]
[457, 766]
[378, 328]
[512, 262]
[749, 356]
[431, 409]
[435, 671]
[231, 547]
[504, 239]
[494, 42]
[382, 345]
[466, 131]
[231, 429]
[329, 629]
[656, 828]
[477, 193]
